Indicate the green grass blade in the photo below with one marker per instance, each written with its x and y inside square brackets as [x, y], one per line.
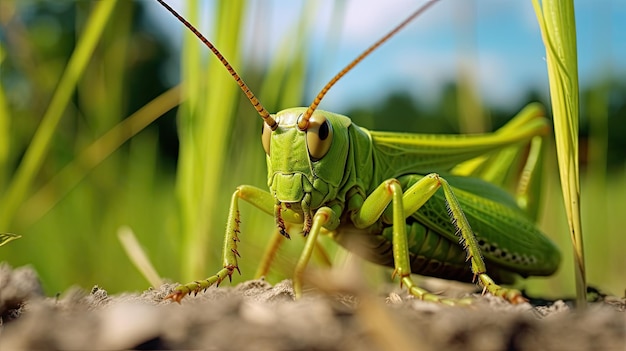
[205, 128]
[5, 136]
[284, 85]
[46, 197]
[40, 144]
[7, 237]
[558, 28]
[471, 114]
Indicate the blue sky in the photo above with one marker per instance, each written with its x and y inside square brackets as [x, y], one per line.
[498, 40]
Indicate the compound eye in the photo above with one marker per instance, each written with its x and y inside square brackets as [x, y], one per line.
[319, 136]
[266, 135]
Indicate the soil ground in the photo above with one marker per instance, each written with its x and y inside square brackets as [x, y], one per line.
[255, 315]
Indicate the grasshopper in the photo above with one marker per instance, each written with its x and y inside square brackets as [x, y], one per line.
[427, 204]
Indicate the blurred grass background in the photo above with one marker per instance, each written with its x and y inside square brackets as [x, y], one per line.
[171, 181]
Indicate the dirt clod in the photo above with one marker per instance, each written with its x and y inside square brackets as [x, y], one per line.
[16, 287]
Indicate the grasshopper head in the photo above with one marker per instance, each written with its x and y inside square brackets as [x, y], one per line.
[306, 167]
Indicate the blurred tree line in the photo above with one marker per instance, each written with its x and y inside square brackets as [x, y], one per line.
[47, 35]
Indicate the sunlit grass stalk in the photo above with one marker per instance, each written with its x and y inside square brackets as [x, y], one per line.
[40, 144]
[5, 121]
[471, 115]
[296, 79]
[558, 29]
[205, 121]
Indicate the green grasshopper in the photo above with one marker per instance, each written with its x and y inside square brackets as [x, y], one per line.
[397, 199]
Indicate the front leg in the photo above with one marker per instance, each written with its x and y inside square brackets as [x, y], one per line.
[324, 217]
[406, 203]
[260, 199]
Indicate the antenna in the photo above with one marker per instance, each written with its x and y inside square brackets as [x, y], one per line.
[303, 122]
[267, 118]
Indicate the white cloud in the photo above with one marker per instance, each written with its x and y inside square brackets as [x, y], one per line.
[366, 21]
[503, 33]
